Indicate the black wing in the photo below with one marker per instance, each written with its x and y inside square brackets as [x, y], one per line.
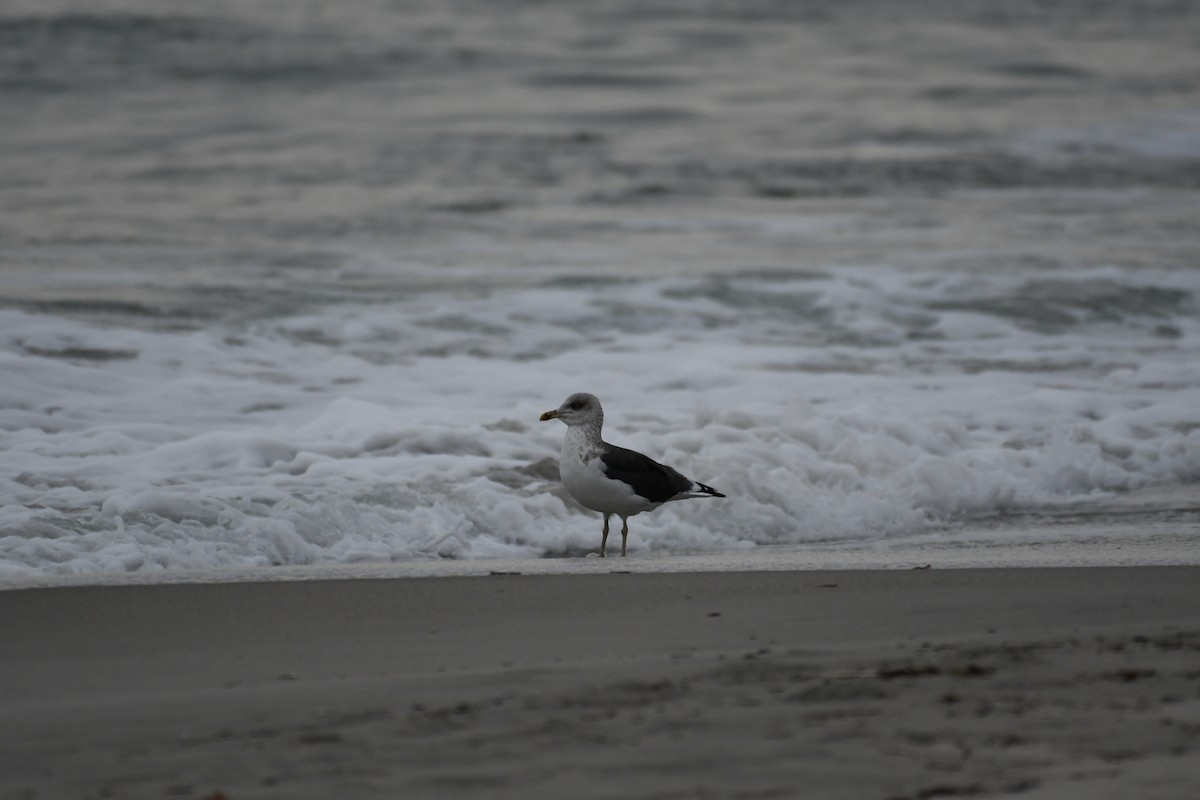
[656, 482]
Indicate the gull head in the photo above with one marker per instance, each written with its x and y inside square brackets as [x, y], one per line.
[580, 408]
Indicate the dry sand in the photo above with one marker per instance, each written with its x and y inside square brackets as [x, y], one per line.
[1046, 683]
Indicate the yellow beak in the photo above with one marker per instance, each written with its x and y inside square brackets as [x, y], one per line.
[549, 415]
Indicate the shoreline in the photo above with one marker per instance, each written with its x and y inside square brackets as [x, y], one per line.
[1145, 544]
[1059, 682]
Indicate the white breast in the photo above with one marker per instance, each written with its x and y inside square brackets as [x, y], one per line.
[583, 476]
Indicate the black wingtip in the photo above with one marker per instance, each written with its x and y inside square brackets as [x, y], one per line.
[709, 490]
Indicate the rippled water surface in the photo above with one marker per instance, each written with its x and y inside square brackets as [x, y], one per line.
[289, 283]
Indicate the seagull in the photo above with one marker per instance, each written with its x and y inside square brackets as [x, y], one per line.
[611, 479]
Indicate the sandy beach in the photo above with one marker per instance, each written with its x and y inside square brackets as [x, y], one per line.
[1042, 683]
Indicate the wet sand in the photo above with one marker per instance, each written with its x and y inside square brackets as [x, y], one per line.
[1055, 683]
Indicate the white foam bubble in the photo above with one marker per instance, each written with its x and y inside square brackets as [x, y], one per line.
[862, 403]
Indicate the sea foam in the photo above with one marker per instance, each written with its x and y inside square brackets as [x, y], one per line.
[850, 404]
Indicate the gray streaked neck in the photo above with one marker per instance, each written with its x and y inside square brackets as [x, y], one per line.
[583, 441]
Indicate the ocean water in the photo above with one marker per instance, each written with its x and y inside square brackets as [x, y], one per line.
[287, 285]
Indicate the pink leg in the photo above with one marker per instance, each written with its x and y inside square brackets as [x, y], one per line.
[624, 534]
[604, 536]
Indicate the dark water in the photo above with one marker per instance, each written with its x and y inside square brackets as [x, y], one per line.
[240, 140]
[285, 282]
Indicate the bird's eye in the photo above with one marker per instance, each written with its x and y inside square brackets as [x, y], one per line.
[578, 404]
